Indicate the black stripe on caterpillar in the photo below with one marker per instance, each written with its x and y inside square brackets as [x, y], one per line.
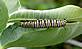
[46, 23]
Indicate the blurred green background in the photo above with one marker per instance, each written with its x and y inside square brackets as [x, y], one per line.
[48, 4]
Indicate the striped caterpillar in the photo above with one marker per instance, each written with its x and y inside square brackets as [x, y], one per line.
[43, 23]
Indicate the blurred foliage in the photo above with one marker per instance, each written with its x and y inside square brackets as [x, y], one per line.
[51, 4]
[74, 47]
[79, 38]
[48, 4]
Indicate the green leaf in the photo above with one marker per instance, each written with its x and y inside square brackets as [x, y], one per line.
[3, 15]
[38, 37]
[47, 4]
[67, 12]
[36, 48]
[12, 5]
[37, 4]
[75, 47]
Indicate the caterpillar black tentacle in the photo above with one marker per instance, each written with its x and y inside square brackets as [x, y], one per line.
[43, 23]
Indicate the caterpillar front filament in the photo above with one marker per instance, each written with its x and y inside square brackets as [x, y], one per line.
[43, 23]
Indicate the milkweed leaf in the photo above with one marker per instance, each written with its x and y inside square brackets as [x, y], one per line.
[38, 37]
[3, 15]
[66, 12]
[12, 5]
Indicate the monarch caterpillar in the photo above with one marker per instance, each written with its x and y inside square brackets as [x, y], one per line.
[43, 23]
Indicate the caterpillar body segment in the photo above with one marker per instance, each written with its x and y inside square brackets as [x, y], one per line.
[43, 23]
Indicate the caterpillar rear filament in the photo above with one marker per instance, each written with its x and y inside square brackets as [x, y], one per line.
[43, 23]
